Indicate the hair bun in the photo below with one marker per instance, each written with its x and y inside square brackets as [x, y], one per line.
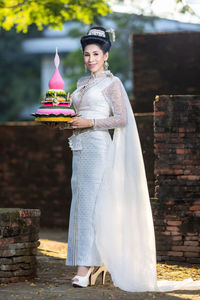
[97, 35]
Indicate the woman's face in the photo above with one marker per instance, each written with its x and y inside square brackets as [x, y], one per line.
[94, 58]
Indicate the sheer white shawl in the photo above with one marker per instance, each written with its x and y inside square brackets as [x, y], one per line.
[123, 217]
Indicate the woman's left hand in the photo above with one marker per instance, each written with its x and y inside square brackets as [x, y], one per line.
[79, 122]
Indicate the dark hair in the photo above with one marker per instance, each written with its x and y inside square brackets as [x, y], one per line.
[103, 41]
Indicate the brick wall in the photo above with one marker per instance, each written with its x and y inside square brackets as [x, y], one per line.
[164, 63]
[19, 234]
[35, 170]
[35, 167]
[177, 170]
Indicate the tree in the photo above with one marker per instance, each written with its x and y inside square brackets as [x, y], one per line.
[52, 13]
[19, 73]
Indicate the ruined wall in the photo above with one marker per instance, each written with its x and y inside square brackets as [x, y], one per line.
[35, 170]
[164, 63]
[35, 167]
[177, 169]
[19, 239]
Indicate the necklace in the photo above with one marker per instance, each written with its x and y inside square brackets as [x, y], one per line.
[89, 85]
[92, 81]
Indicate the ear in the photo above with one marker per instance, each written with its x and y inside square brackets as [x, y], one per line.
[106, 55]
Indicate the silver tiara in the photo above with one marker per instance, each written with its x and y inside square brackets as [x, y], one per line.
[97, 32]
[101, 33]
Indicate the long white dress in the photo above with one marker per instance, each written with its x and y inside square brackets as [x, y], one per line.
[90, 151]
[111, 221]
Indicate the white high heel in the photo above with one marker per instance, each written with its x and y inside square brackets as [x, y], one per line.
[83, 281]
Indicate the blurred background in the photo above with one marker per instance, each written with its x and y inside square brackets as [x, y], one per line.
[156, 52]
[27, 52]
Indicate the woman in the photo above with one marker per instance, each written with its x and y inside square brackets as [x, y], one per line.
[110, 219]
[90, 158]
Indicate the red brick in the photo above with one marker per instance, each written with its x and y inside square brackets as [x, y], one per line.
[188, 172]
[181, 134]
[163, 171]
[189, 177]
[197, 207]
[186, 248]
[172, 228]
[178, 171]
[180, 151]
[196, 202]
[191, 238]
[176, 238]
[191, 254]
[192, 177]
[175, 253]
[176, 243]
[174, 222]
[193, 260]
[7, 241]
[190, 129]
[172, 217]
[193, 234]
[181, 129]
[191, 243]
[170, 202]
[175, 232]
[166, 233]
[159, 135]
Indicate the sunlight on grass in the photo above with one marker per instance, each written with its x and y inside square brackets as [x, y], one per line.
[56, 249]
[53, 248]
[178, 272]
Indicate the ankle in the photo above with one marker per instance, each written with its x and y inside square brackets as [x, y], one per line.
[82, 270]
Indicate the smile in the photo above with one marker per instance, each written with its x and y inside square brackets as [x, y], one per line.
[92, 65]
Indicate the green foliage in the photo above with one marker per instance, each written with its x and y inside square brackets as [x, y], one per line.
[73, 63]
[74, 68]
[20, 75]
[51, 13]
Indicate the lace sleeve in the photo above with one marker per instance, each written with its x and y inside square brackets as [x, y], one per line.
[114, 94]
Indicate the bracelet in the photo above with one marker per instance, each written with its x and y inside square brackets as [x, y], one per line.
[93, 123]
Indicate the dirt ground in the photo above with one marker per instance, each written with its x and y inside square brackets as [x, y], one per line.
[53, 280]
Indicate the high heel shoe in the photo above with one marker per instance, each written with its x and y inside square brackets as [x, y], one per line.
[83, 281]
[94, 275]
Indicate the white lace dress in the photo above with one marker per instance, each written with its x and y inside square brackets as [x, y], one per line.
[98, 98]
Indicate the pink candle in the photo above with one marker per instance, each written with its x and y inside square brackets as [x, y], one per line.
[56, 81]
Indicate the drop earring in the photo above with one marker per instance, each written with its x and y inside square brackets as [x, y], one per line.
[106, 65]
[85, 68]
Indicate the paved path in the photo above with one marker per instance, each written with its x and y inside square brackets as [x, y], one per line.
[54, 279]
